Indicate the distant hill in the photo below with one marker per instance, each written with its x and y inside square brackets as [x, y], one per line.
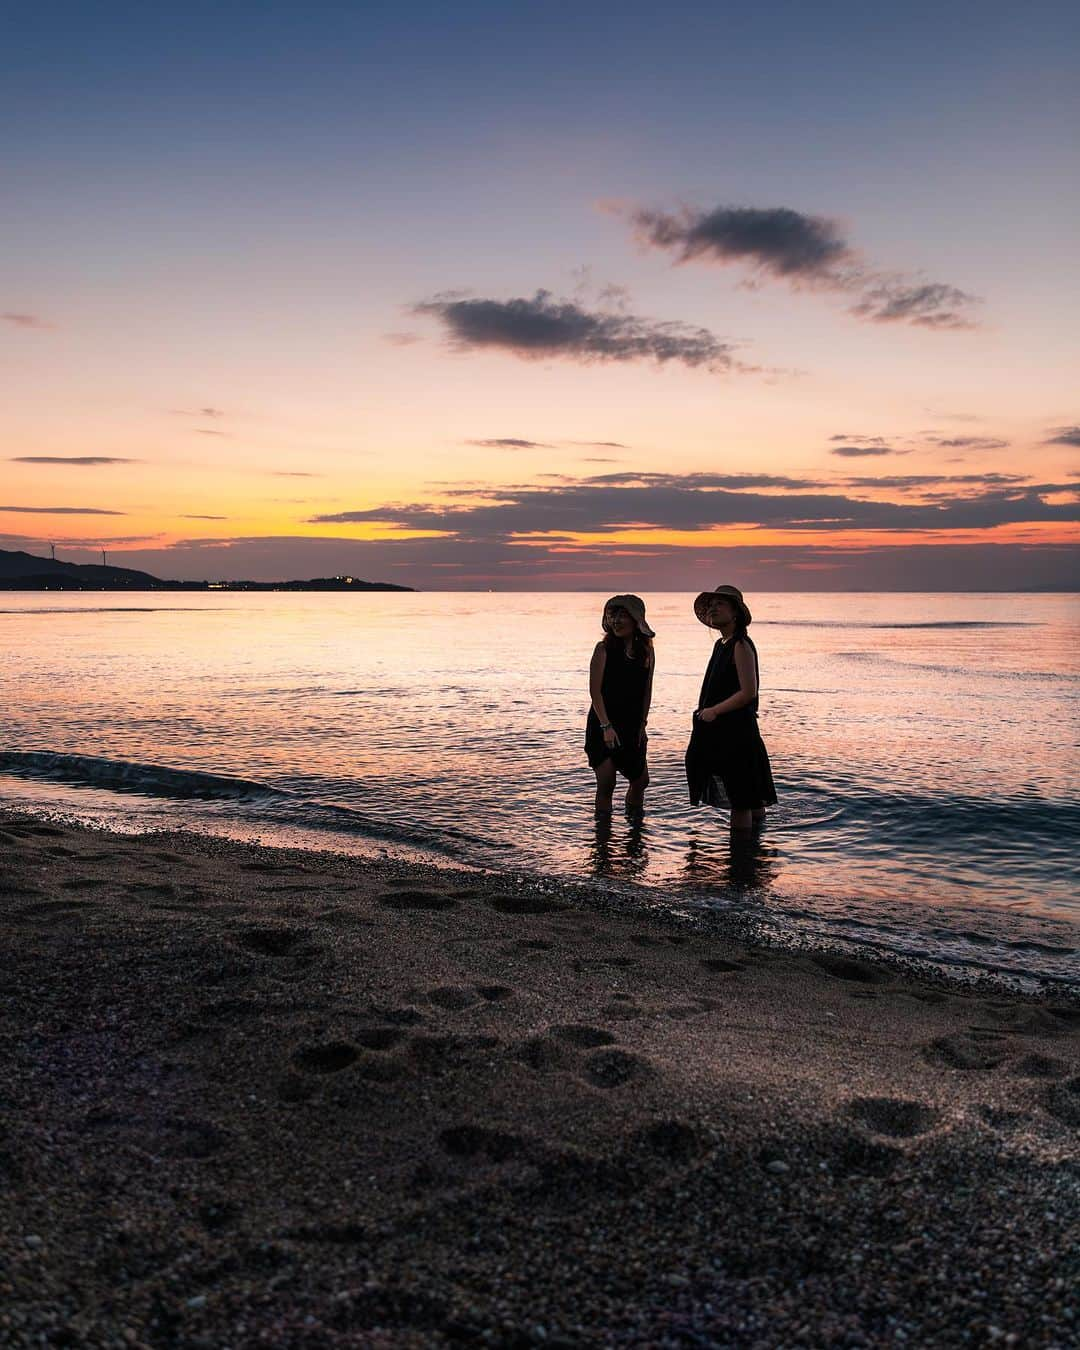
[21, 571]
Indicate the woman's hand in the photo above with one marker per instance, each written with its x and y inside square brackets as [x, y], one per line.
[706, 715]
[611, 737]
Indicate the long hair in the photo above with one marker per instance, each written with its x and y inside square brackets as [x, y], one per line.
[641, 647]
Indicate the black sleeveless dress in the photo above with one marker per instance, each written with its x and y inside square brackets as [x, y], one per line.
[623, 690]
[727, 764]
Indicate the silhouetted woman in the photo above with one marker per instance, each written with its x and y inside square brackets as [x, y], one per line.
[726, 761]
[620, 686]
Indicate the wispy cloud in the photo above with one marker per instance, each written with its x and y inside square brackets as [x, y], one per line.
[542, 327]
[968, 442]
[61, 511]
[204, 517]
[210, 431]
[294, 473]
[1063, 436]
[866, 450]
[510, 443]
[83, 461]
[211, 413]
[26, 320]
[808, 253]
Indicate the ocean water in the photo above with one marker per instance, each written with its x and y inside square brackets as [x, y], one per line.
[924, 748]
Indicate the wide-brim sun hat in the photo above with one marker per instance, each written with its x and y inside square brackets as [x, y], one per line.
[731, 593]
[635, 607]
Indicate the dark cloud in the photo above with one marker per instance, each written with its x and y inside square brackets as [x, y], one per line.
[924, 304]
[441, 563]
[734, 481]
[858, 440]
[62, 511]
[674, 503]
[1063, 436]
[599, 445]
[510, 443]
[968, 442]
[543, 328]
[82, 460]
[25, 320]
[204, 517]
[776, 239]
[808, 252]
[865, 451]
[916, 480]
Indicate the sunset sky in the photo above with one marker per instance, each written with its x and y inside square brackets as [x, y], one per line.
[531, 296]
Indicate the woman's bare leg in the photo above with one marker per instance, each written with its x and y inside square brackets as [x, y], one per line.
[758, 815]
[605, 787]
[635, 793]
[742, 820]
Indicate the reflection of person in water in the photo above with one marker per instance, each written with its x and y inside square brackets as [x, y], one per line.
[749, 866]
[620, 688]
[726, 760]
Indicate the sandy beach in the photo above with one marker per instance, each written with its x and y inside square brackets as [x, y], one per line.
[263, 1097]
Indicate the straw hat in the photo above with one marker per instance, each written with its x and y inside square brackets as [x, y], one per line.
[635, 607]
[731, 593]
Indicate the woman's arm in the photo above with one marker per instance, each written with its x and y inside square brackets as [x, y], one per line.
[646, 702]
[596, 679]
[746, 667]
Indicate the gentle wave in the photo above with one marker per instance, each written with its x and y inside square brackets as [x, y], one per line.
[109, 609]
[121, 775]
[159, 780]
[862, 623]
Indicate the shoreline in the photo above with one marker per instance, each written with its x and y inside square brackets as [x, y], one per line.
[260, 1096]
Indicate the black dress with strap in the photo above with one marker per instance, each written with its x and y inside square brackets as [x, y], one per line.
[623, 688]
[727, 764]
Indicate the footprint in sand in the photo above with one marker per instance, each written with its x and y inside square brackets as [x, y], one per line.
[673, 1140]
[1063, 1101]
[719, 966]
[495, 993]
[267, 941]
[656, 940]
[847, 968]
[965, 1052]
[893, 1116]
[582, 1036]
[471, 1141]
[329, 1057]
[429, 900]
[453, 998]
[83, 884]
[614, 1068]
[1039, 1066]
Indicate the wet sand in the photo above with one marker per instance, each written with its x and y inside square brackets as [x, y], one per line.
[263, 1097]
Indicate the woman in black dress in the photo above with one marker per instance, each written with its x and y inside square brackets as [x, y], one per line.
[620, 686]
[726, 761]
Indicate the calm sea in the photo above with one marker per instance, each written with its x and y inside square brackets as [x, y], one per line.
[923, 748]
